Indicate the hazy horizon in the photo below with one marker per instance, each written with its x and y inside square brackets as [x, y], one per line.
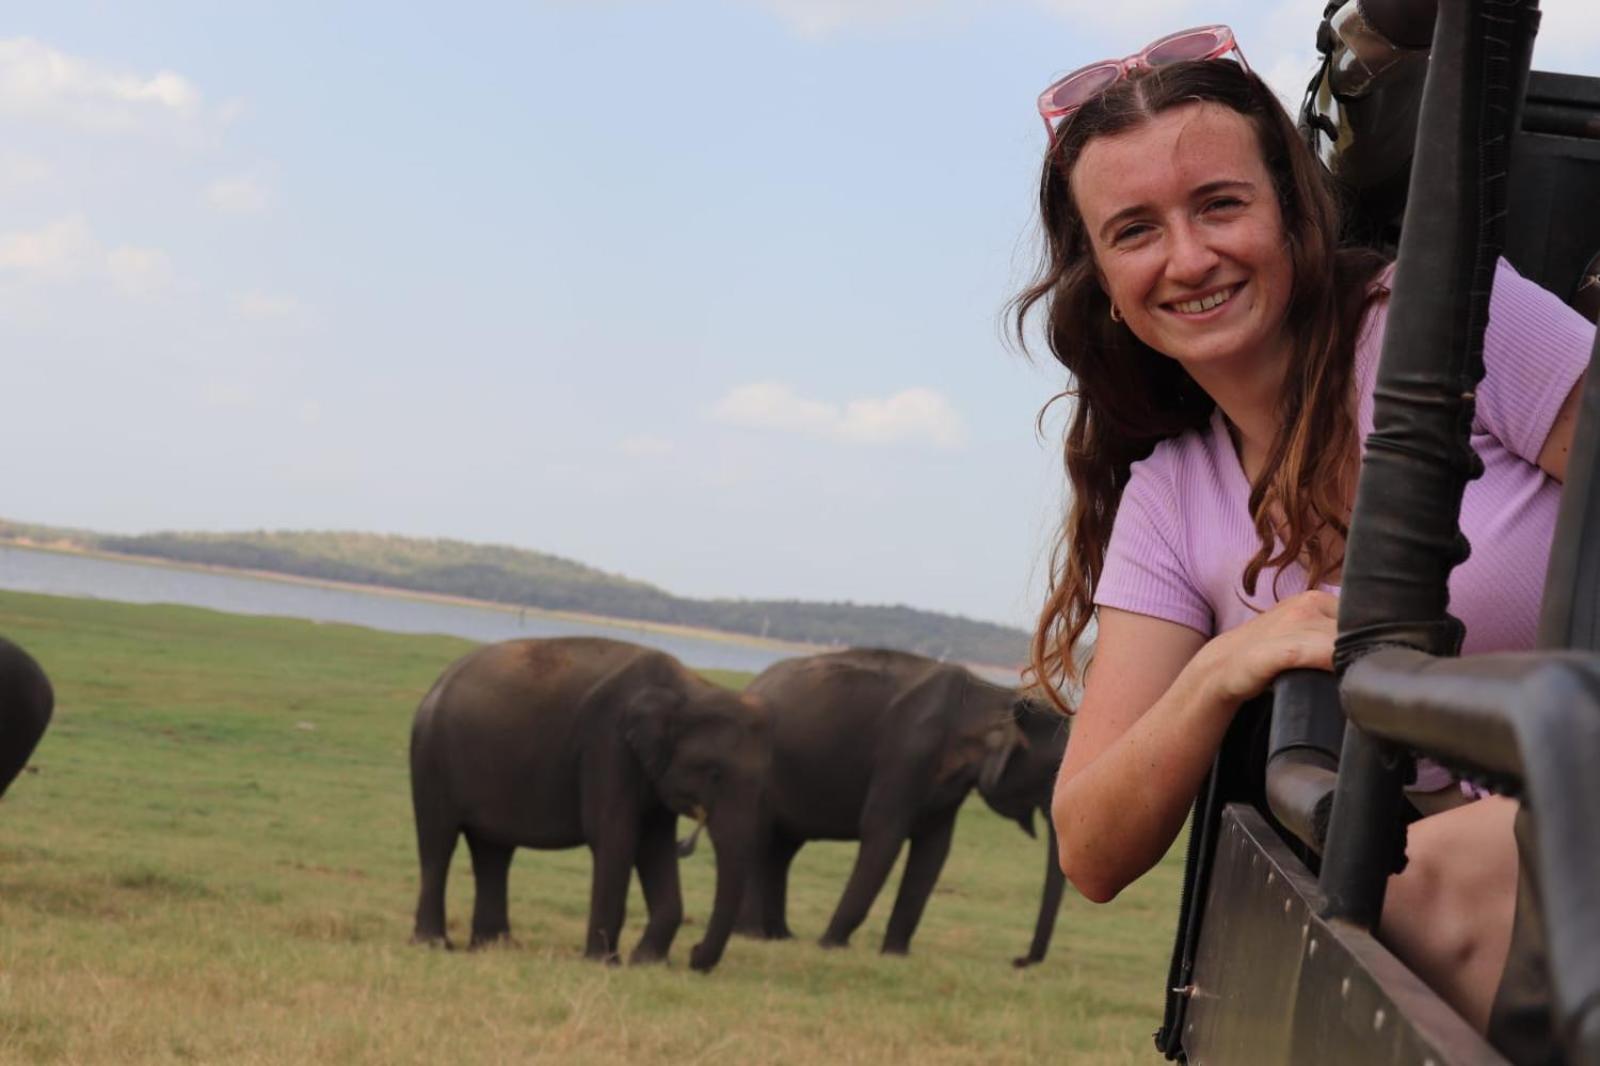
[637, 578]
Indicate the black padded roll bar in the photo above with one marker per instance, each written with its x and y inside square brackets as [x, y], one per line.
[1529, 722]
[1303, 753]
[1397, 568]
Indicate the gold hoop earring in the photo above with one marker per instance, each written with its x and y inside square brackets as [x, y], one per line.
[1116, 316]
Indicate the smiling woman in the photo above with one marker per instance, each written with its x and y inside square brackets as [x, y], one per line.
[1222, 349]
[1153, 203]
[1192, 255]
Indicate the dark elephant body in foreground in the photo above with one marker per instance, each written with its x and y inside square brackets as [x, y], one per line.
[883, 747]
[583, 741]
[26, 704]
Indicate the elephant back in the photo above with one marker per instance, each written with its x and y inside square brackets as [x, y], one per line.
[530, 683]
[847, 692]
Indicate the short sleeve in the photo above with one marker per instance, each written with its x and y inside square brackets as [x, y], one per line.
[1534, 350]
[1144, 568]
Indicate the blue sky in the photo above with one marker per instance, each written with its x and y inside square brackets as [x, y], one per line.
[705, 293]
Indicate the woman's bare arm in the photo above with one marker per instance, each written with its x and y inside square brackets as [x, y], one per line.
[1557, 446]
[1157, 701]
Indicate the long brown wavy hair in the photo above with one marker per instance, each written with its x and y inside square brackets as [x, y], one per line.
[1129, 396]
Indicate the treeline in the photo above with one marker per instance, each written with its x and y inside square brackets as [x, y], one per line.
[533, 579]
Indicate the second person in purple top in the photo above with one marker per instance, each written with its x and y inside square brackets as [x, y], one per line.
[1222, 348]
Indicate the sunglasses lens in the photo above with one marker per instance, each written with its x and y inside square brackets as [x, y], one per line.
[1190, 44]
[1079, 86]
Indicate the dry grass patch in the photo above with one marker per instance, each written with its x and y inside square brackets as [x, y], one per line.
[193, 876]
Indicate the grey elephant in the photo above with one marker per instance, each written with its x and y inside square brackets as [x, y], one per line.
[883, 747]
[583, 741]
[26, 704]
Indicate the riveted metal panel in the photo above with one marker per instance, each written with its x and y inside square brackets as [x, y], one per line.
[1275, 984]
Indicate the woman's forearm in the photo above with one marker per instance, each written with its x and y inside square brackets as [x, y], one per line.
[1117, 816]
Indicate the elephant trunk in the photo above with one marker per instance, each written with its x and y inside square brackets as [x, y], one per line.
[1050, 903]
[733, 836]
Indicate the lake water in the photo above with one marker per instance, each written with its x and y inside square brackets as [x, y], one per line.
[57, 574]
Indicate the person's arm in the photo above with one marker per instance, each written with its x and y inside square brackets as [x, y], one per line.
[1157, 700]
[1557, 446]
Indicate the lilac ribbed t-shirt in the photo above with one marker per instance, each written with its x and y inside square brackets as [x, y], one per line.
[1183, 535]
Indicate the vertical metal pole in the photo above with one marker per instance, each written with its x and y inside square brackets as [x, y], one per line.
[1398, 564]
[1367, 833]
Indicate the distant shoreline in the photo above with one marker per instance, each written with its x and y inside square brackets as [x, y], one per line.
[719, 635]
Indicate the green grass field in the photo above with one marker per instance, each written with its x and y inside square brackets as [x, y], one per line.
[211, 860]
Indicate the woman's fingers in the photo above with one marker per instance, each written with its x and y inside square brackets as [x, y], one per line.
[1297, 632]
[1317, 651]
[1315, 601]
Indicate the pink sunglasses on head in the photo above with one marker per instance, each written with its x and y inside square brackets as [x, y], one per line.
[1067, 94]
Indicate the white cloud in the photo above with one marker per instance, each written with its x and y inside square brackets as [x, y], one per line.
[67, 251]
[40, 82]
[58, 252]
[644, 446]
[1282, 47]
[241, 195]
[139, 271]
[772, 405]
[917, 415]
[266, 306]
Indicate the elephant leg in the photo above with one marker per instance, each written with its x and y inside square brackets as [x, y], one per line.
[753, 907]
[874, 860]
[491, 872]
[436, 845]
[657, 863]
[929, 849]
[776, 917]
[608, 891]
[761, 915]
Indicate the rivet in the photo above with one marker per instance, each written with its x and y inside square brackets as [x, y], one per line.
[1311, 951]
[1344, 988]
[1271, 877]
[1377, 1020]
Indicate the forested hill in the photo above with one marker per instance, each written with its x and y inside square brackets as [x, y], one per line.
[534, 579]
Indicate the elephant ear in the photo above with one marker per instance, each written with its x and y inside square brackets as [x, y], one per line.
[647, 726]
[1000, 743]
